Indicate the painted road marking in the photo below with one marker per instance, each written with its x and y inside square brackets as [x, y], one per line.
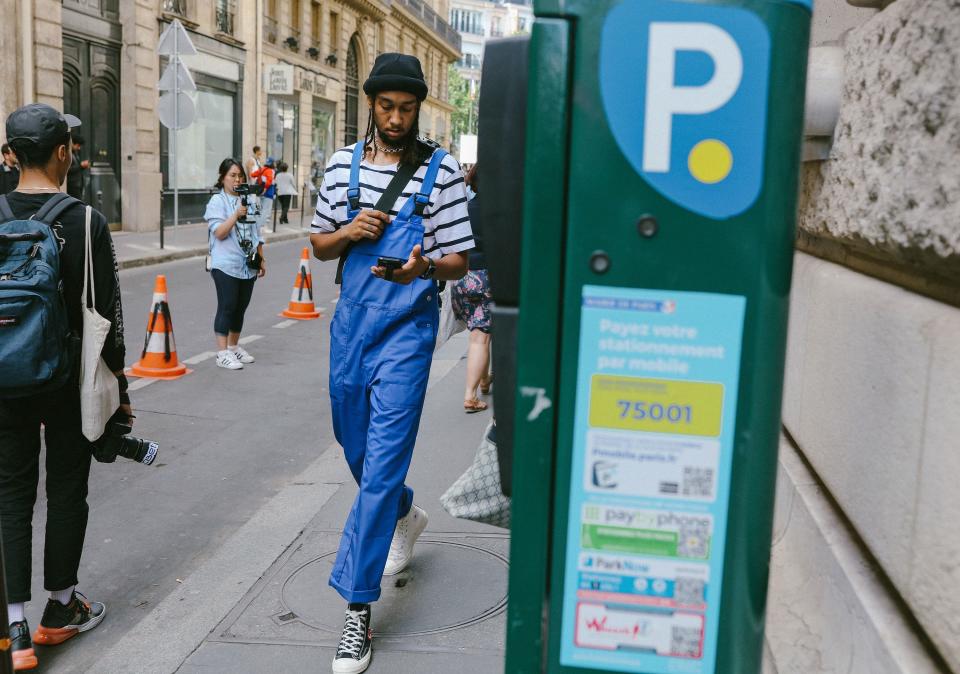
[200, 357]
[251, 338]
[140, 383]
[285, 324]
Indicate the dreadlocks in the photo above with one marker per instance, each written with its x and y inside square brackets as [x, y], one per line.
[413, 153]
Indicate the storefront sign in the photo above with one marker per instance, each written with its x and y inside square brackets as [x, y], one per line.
[312, 83]
[278, 79]
[653, 445]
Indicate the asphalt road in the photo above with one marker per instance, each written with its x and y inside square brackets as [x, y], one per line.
[229, 441]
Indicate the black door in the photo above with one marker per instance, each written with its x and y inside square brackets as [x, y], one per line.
[91, 75]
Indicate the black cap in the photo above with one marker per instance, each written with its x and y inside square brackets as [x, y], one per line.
[38, 123]
[396, 72]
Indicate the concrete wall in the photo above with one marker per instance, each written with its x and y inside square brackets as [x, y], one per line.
[866, 563]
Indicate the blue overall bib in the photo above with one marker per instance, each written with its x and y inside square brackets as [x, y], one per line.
[381, 346]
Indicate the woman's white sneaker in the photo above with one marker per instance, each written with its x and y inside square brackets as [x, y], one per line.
[228, 360]
[405, 535]
[242, 355]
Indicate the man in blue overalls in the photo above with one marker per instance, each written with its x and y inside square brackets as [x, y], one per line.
[393, 209]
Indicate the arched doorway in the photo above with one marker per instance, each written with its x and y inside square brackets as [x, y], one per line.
[351, 118]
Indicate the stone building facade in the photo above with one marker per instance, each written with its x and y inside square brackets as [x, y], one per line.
[282, 74]
[865, 574]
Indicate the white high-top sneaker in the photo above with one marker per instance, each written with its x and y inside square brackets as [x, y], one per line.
[406, 534]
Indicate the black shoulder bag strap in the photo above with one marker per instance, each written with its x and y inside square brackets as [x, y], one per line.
[54, 207]
[6, 214]
[384, 204]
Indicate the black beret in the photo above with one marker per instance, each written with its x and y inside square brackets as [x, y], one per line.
[396, 72]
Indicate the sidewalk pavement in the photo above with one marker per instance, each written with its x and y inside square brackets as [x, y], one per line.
[139, 249]
[261, 603]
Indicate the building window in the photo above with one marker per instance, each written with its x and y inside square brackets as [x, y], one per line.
[316, 18]
[204, 144]
[283, 131]
[178, 7]
[225, 12]
[470, 61]
[270, 22]
[467, 21]
[496, 28]
[334, 33]
[296, 14]
[322, 132]
[352, 96]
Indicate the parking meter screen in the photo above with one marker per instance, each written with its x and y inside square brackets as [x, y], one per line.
[653, 446]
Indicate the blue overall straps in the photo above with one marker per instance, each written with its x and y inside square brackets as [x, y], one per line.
[381, 346]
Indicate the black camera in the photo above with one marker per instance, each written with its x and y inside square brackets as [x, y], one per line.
[117, 441]
[254, 259]
[245, 190]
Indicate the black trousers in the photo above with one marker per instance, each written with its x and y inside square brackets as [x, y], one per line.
[284, 207]
[233, 298]
[68, 469]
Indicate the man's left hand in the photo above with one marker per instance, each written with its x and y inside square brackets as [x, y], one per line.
[417, 264]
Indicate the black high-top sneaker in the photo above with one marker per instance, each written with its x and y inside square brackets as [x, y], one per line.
[22, 647]
[353, 653]
[60, 622]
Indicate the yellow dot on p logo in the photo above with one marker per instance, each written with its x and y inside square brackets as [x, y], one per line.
[710, 161]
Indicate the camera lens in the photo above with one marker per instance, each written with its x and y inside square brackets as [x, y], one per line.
[136, 449]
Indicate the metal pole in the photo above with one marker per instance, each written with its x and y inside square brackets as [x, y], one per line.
[176, 128]
[304, 202]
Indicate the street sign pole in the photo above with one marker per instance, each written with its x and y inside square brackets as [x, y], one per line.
[175, 60]
[176, 111]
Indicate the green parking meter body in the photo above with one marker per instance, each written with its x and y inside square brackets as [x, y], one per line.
[662, 155]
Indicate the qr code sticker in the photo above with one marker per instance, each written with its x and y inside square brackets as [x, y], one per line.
[694, 542]
[698, 481]
[689, 591]
[685, 641]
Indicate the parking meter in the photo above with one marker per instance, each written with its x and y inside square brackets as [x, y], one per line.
[660, 187]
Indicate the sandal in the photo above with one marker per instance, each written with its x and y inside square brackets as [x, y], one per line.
[474, 406]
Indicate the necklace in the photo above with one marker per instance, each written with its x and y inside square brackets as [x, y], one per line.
[38, 189]
[388, 150]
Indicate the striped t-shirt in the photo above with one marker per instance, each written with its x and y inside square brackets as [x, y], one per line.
[445, 221]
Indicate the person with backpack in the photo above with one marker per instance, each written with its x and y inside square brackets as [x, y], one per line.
[42, 259]
[393, 209]
[266, 178]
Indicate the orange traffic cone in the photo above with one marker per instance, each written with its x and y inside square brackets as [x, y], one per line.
[159, 356]
[300, 307]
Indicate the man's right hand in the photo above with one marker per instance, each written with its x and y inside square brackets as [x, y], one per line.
[367, 225]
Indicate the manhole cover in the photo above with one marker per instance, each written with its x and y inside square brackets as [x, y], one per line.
[448, 585]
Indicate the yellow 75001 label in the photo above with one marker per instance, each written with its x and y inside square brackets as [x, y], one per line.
[658, 405]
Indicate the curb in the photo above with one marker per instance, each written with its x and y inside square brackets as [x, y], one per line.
[200, 251]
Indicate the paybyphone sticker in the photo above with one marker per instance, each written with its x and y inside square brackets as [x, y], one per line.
[684, 87]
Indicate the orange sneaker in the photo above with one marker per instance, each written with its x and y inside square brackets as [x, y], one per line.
[60, 622]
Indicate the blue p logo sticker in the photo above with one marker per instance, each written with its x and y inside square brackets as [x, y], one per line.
[684, 87]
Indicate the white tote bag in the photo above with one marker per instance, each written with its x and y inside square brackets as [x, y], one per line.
[449, 325]
[99, 389]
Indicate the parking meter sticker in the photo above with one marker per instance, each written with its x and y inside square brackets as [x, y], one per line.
[617, 628]
[653, 439]
[664, 533]
[629, 464]
[684, 86]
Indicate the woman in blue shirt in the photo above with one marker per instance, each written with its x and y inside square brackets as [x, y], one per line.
[231, 242]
